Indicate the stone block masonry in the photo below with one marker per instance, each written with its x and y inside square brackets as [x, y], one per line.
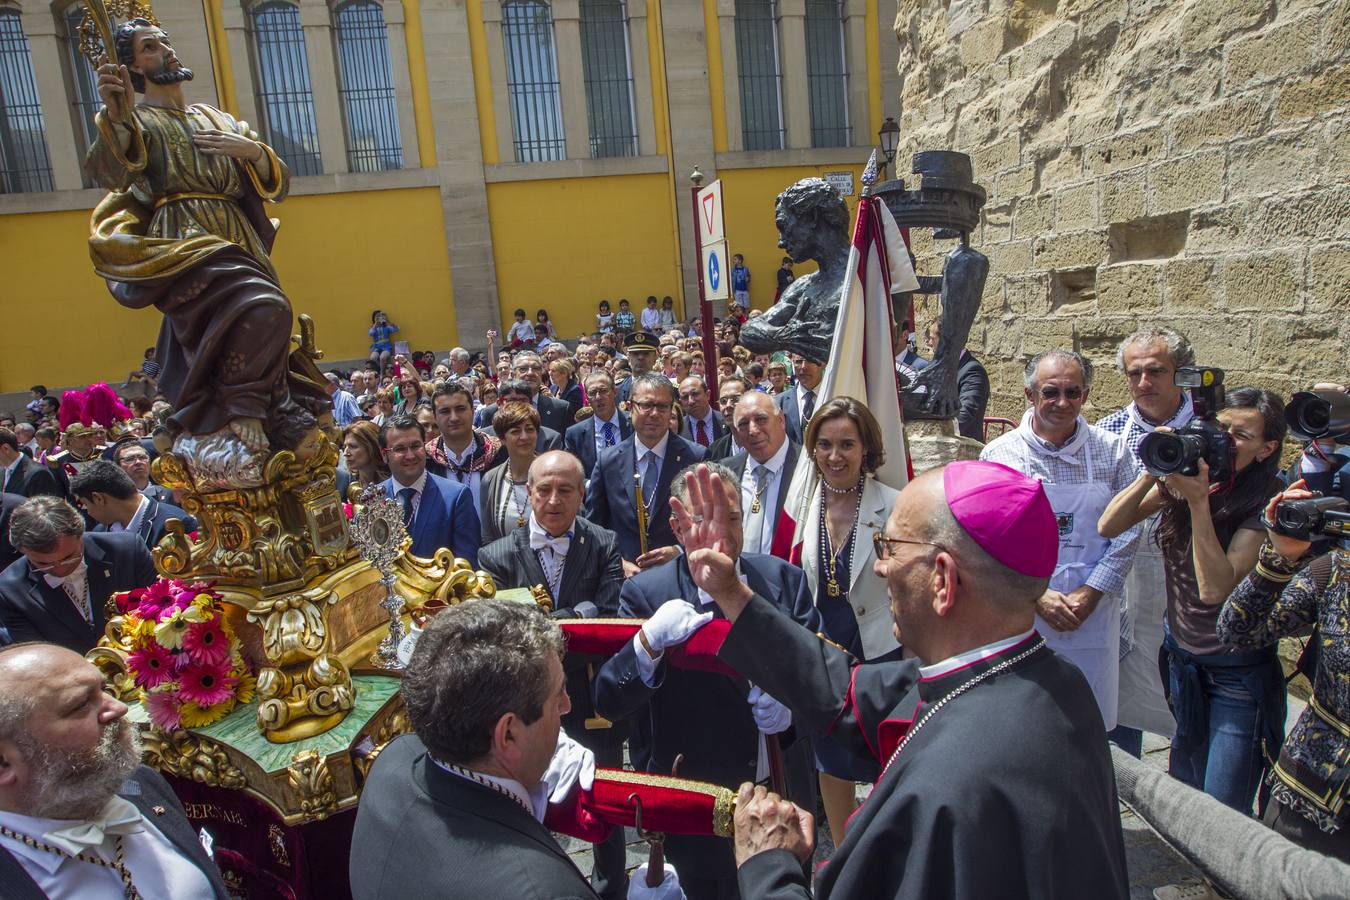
[1182, 163]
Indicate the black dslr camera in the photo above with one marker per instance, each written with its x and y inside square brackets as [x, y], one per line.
[1179, 452]
[1313, 516]
[1319, 415]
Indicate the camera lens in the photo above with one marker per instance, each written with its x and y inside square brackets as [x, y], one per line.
[1168, 453]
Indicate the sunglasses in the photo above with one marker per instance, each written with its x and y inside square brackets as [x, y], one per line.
[1052, 393]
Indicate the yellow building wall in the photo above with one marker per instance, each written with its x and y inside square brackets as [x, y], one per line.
[566, 244]
[339, 256]
[748, 198]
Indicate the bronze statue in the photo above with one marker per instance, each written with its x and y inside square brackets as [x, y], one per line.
[183, 229]
[812, 224]
[948, 201]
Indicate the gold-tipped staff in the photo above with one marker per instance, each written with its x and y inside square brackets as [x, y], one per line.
[98, 46]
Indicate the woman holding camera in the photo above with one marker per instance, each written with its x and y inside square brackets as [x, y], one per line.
[1228, 703]
[1310, 785]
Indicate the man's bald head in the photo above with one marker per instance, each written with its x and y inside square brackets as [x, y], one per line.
[557, 462]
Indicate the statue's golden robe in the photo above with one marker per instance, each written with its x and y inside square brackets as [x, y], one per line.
[185, 231]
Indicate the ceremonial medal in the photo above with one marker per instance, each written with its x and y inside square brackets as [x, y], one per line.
[754, 505]
[520, 521]
[832, 588]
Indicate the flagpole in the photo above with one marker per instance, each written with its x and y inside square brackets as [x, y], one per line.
[704, 304]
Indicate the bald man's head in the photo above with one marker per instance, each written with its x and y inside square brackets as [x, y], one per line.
[557, 486]
[760, 426]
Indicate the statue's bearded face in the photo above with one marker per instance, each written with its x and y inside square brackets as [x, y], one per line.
[156, 60]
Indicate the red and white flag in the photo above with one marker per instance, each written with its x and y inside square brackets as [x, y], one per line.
[861, 366]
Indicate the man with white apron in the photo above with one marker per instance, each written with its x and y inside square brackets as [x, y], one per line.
[1081, 468]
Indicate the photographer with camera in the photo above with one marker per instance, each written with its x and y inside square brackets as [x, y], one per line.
[1286, 595]
[1148, 360]
[1210, 481]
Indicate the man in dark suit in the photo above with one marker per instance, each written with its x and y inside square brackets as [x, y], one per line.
[713, 721]
[59, 590]
[639, 470]
[110, 498]
[21, 475]
[729, 390]
[455, 810]
[764, 468]
[554, 414]
[702, 424]
[8, 503]
[585, 440]
[580, 566]
[799, 401]
[134, 458]
[438, 512]
[71, 733]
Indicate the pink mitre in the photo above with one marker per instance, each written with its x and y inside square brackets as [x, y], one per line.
[1006, 513]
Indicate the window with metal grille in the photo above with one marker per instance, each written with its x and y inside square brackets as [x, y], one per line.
[760, 77]
[367, 87]
[285, 98]
[85, 100]
[607, 65]
[532, 81]
[827, 73]
[24, 165]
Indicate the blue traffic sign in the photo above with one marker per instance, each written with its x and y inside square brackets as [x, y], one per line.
[714, 271]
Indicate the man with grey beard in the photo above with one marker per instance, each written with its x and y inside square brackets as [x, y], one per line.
[79, 815]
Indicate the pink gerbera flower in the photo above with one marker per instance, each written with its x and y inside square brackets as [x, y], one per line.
[162, 707]
[154, 598]
[150, 666]
[206, 684]
[205, 642]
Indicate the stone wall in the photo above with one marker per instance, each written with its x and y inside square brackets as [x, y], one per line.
[1146, 161]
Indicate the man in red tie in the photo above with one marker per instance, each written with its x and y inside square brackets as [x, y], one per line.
[702, 423]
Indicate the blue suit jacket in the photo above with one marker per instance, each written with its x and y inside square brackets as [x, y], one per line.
[445, 518]
[580, 440]
[610, 496]
[156, 517]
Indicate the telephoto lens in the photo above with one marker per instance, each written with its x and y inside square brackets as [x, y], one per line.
[1170, 453]
[1319, 415]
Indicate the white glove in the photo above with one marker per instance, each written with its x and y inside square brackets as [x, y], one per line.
[771, 717]
[673, 624]
[571, 765]
[668, 889]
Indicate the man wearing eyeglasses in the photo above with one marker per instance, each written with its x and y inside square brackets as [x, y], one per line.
[58, 591]
[438, 512]
[1081, 468]
[637, 472]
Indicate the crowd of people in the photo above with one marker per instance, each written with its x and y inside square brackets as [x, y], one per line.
[1056, 594]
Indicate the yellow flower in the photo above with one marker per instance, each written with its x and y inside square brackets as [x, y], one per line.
[246, 689]
[137, 631]
[170, 631]
[194, 716]
[204, 602]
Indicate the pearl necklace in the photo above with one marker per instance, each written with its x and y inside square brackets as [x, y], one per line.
[832, 587]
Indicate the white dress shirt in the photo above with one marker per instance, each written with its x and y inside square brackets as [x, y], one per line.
[158, 868]
[134, 525]
[471, 480]
[768, 500]
[417, 486]
[600, 445]
[952, 663]
[536, 801]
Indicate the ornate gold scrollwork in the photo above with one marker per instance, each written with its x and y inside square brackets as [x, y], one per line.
[393, 726]
[191, 756]
[110, 658]
[309, 777]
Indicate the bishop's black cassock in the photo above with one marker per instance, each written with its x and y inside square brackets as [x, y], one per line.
[1007, 792]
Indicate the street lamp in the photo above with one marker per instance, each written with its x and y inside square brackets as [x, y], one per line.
[889, 138]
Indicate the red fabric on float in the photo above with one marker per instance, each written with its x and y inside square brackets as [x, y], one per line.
[669, 805]
[605, 637]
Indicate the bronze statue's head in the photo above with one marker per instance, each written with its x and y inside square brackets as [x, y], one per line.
[144, 48]
[807, 212]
